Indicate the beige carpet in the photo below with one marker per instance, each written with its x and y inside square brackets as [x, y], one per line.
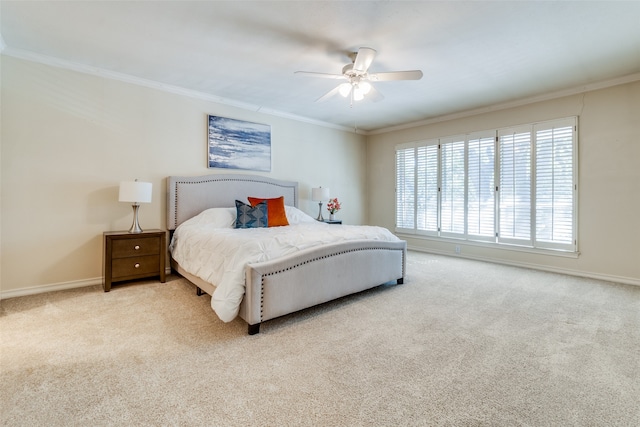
[461, 343]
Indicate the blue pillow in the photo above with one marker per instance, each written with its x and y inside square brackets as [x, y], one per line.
[251, 217]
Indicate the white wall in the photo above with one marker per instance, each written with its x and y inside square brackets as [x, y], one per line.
[609, 180]
[69, 138]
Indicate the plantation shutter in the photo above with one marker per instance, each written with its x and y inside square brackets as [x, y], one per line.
[555, 185]
[405, 184]
[427, 189]
[480, 187]
[515, 186]
[452, 222]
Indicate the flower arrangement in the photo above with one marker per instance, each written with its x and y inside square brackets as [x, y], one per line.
[333, 206]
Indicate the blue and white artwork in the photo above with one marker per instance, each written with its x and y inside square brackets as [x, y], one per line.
[236, 144]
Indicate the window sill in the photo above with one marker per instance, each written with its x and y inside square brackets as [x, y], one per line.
[489, 245]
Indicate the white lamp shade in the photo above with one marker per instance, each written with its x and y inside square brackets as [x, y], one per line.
[319, 194]
[344, 89]
[135, 192]
[365, 87]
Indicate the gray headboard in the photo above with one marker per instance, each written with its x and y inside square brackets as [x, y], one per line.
[187, 196]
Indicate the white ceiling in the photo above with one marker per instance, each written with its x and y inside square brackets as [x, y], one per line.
[473, 54]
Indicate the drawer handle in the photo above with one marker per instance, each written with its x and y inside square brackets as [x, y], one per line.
[137, 265]
[136, 247]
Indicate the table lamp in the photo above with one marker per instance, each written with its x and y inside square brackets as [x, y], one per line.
[136, 192]
[318, 195]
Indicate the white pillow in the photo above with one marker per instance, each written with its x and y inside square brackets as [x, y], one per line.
[218, 217]
[296, 216]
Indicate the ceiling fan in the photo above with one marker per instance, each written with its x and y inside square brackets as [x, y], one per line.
[358, 79]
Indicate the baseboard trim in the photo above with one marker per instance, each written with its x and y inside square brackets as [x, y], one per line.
[61, 286]
[567, 271]
[50, 288]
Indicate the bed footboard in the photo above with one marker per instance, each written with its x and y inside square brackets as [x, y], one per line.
[314, 276]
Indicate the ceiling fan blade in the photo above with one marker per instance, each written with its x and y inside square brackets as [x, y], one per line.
[363, 60]
[323, 75]
[329, 94]
[396, 75]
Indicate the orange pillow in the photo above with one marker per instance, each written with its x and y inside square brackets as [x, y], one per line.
[276, 215]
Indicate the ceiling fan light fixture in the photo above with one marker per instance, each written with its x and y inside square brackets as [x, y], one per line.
[345, 89]
[358, 93]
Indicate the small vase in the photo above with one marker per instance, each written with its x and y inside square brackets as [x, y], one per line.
[331, 217]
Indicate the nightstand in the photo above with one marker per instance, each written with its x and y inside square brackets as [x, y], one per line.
[129, 256]
[333, 221]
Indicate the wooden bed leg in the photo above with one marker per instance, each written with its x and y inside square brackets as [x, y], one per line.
[199, 291]
[254, 329]
[400, 281]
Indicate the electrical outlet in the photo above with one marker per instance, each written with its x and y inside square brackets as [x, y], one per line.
[457, 249]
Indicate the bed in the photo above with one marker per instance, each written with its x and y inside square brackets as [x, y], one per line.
[317, 271]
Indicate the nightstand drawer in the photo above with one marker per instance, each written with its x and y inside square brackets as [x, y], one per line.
[133, 266]
[135, 247]
[129, 256]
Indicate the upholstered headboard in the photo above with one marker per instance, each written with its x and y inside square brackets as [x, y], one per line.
[187, 196]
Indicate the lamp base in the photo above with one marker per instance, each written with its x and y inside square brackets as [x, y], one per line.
[135, 227]
[320, 218]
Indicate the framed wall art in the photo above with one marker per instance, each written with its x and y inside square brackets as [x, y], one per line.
[237, 144]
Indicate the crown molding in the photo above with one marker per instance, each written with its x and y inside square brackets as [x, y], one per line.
[512, 104]
[113, 75]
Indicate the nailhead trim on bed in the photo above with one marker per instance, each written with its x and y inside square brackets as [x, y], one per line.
[273, 273]
[261, 297]
[332, 255]
[226, 179]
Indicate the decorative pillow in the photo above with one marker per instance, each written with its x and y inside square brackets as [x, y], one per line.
[296, 216]
[275, 210]
[251, 216]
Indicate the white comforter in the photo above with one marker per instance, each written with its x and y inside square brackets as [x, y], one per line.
[208, 247]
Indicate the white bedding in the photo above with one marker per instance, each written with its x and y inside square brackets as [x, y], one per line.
[209, 247]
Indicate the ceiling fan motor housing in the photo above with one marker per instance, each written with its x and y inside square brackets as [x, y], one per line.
[348, 71]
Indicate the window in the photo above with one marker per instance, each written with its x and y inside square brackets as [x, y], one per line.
[515, 186]
[512, 186]
[481, 196]
[555, 201]
[427, 189]
[452, 198]
[405, 187]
